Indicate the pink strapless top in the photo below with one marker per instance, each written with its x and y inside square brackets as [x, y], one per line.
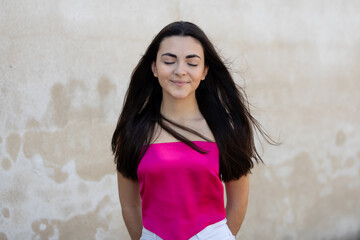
[180, 189]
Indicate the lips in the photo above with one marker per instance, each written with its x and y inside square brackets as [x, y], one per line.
[179, 83]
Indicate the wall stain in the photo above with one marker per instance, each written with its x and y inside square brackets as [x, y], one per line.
[299, 195]
[350, 161]
[340, 138]
[42, 229]
[59, 176]
[82, 136]
[305, 188]
[105, 86]
[74, 87]
[16, 192]
[86, 144]
[63, 109]
[82, 226]
[3, 236]
[61, 105]
[32, 124]
[13, 142]
[6, 212]
[6, 164]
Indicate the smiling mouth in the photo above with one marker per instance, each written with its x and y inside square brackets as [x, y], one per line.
[179, 83]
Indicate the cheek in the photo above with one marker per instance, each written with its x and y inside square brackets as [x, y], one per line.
[164, 71]
[197, 75]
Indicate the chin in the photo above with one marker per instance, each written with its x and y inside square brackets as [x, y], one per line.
[180, 95]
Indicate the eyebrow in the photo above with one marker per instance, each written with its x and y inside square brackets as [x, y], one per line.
[174, 56]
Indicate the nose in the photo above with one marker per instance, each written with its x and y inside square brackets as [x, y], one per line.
[180, 69]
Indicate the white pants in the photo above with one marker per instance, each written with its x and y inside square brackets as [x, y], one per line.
[216, 231]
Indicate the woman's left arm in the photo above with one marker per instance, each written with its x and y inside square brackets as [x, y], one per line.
[237, 192]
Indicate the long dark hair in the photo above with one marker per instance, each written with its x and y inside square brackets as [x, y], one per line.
[222, 103]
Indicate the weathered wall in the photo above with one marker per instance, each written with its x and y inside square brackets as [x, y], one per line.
[64, 68]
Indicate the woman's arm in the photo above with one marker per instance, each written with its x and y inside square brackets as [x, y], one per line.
[237, 192]
[130, 202]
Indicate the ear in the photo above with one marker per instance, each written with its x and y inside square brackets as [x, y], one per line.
[154, 70]
[206, 68]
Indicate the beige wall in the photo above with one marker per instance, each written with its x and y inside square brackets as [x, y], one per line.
[64, 68]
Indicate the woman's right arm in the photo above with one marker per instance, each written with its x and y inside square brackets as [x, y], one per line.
[130, 202]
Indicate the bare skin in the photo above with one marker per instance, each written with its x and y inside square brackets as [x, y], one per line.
[130, 202]
[237, 193]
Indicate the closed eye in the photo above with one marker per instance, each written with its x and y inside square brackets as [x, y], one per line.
[192, 65]
[168, 63]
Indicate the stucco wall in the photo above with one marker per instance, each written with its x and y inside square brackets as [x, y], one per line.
[64, 68]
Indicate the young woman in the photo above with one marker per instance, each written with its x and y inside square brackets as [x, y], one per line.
[185, 127]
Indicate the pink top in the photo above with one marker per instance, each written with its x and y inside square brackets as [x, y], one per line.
[180, 189]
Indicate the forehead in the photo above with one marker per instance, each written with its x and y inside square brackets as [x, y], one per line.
[181, 45]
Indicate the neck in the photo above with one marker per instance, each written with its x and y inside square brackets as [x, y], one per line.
[180, 110]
